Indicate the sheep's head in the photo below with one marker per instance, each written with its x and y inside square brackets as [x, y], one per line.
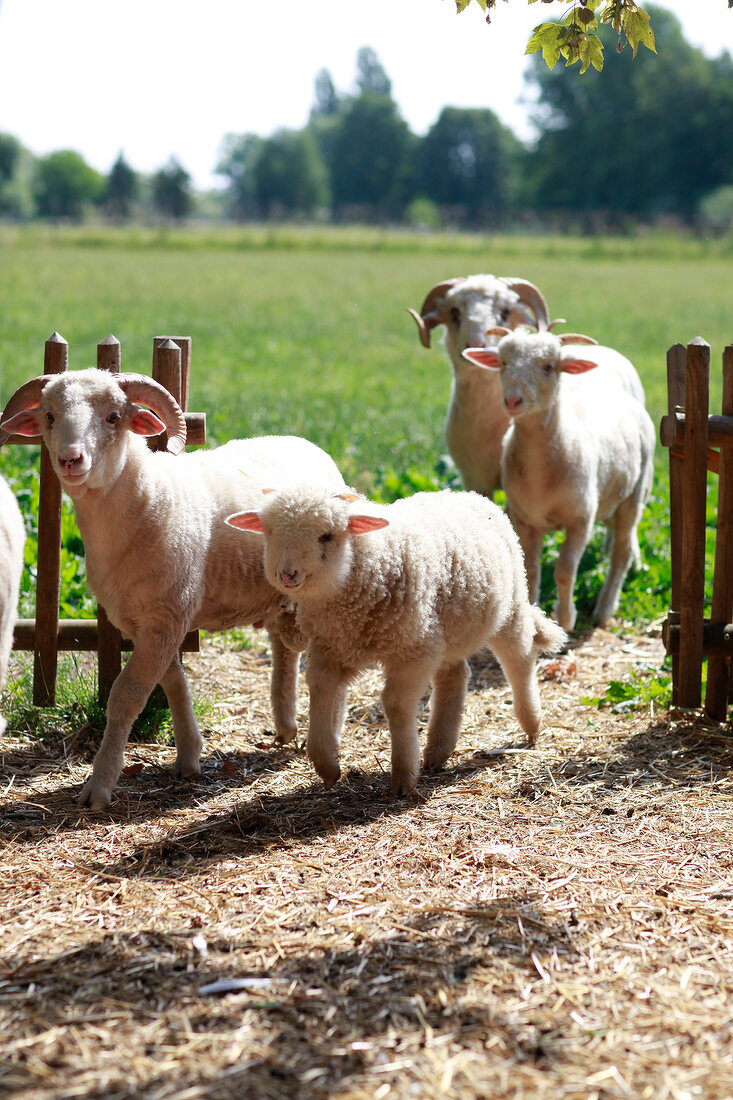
[308, 537]
[468, 307]
[530, 365]
[84, 417]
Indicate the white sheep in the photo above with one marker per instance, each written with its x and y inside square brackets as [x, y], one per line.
[160, 558]
[577, 451]
[12, 543]
[477, 420]
[416, 586]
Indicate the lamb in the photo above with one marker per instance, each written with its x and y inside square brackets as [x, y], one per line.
[12, 543]
[160, 558]
[416, 586]
[577, 451]
[477, 420]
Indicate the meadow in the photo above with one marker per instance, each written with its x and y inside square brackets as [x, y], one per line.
[306, 332]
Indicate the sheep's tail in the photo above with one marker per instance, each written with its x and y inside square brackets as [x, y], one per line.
[549, 636]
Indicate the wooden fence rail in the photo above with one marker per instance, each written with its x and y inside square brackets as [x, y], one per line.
[692, 434]
[46, 635]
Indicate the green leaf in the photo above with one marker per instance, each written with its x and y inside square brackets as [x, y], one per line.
[637, 29]
[590, 50]
[548, 38]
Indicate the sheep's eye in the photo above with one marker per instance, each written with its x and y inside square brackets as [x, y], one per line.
[505, 315]
[455, 315]
[325, 537]
[547, 368]
[113, 418]
[50, 418]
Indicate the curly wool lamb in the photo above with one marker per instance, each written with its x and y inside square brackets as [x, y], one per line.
[416, 586]
[579, 450]
[12, 543]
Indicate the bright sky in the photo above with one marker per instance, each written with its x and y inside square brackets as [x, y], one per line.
[155, 78]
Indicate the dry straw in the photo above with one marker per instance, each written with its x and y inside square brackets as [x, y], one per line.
[555, 922]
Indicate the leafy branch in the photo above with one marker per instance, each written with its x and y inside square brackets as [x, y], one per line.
[575, 37]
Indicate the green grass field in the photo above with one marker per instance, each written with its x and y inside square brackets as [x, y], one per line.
[307, 332]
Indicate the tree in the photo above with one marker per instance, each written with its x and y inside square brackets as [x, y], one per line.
[370, 75]
[172, 195]
[65, 185]
[466, 165]
[644, 140]
[575, 37]
[121, 190]
[371, 157]
[237, 157]
[289, 174]
[328, 101]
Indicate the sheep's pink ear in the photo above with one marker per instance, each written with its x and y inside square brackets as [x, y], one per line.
[577, 366]
[362, 525]
[246, 521]
[482, 357]
[498, 331]
[145, 422]
[27, 423]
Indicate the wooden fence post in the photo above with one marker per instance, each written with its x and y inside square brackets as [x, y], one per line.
[48, 577]
[676, 384]
[109, 639]
[694, 491]
[718, 684]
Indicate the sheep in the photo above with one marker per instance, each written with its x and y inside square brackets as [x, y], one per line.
[477, 420]
[12, 543]
[577, 451]
[416, 586]
[160, 558]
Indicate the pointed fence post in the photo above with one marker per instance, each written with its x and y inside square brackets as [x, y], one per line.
[48, 577]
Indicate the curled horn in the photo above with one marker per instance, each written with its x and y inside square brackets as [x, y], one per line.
[534, 299]
[27, 396]
[430, 315]
[147, 391]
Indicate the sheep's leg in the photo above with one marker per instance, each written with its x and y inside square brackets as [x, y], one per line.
[446, 712]
[185, 727]
[530, 539]
[624, 551]
[519, 667]
[327, 685]
[566, 570]
[147, 665]
[283, 689]
[403, 689]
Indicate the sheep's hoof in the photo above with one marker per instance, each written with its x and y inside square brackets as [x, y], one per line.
[285, 736]
[433, 764]
[186, 769]
[329, 774]
[403, 784]
[95, 796]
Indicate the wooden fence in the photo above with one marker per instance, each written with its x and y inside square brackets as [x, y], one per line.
[46, 635]
[698, 444]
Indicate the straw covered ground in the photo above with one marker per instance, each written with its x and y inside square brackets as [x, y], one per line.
[554, 922]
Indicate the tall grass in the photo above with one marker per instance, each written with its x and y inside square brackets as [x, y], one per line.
[305, 331]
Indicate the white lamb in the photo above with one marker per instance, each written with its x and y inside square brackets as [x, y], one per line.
[160, 558]
[477, 420]
[417, 586]
[577, 451]
[12, 543]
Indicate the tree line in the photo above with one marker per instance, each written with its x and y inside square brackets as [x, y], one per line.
[644, 140]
